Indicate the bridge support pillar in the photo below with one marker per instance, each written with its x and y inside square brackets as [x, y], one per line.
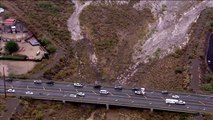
[151, 109]
[107, 106]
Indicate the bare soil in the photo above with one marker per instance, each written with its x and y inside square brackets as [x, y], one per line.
[17, 67]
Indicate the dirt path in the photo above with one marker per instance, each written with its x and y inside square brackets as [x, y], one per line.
[73, 22]
[170, 31]
[195, 75]
[12, 103]
[74, 27]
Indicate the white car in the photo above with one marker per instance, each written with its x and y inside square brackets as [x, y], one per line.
[175, 96]
[180, 102]
[78, 85]
[81, 94]
[73, 95]
[11, 90]
[37, 81]
[139, 92]
[105, 92]
[29, 93]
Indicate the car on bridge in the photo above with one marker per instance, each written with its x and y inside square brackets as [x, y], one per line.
[140, 91]
[104, 92]
[29, 93]
[97, 86]
[77, 85]
[81, 94]
[175, 101]
[9, 80]
[176, 96]
[50, 82]
[11, 90]
[118, 87]
[73, 95]
[37, 82]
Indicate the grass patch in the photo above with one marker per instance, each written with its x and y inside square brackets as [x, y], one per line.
[48, 7]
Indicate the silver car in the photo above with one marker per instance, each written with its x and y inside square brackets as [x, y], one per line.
[105, 92]
[81, 94]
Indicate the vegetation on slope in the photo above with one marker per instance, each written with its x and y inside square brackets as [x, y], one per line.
[114, 30]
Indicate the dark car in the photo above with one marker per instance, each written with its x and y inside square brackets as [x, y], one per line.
[97, 86]
[135, 89]
[50, 83]
[164, 92]
[9, 80]
[118, 87]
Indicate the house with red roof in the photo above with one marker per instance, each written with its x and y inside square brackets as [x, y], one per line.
[9, 22]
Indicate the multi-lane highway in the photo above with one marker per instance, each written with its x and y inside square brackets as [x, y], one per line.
[153, 99]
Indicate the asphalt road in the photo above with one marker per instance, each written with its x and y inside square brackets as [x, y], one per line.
[154, 99]
[210, 53]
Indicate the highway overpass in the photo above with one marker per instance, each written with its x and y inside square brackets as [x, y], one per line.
[153, 99]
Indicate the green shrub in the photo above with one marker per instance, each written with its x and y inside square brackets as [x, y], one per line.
[13, 57]
[208, 86]
[45, 41]
[47, 6]
[209, 77]
[51, 48]
[38, 115]
[11, 47]
[179, 70]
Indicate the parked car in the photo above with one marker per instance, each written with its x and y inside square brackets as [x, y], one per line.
[175, 96]
[81, 94]
[78, 85]
[105, 92]
[118, 87]
[50, 83]
[37, 82]
[29, 93]
[11, 90]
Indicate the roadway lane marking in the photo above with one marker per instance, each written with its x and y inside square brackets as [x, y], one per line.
[145, 97]
[76, 90]
[201, 102]
[162, 98]
[11, 86]
[94, 92]
[27, 87]
[60, 89]
[128, 95]
[111, 94]
[43, 88]
[204, 108]
[187, 107]
[152, 92]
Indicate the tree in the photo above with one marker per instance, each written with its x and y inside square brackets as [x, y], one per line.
[11, 47]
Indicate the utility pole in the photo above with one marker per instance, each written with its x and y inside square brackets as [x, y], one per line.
[5, 93]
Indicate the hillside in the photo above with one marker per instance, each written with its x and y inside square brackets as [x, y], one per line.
[137, 43]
